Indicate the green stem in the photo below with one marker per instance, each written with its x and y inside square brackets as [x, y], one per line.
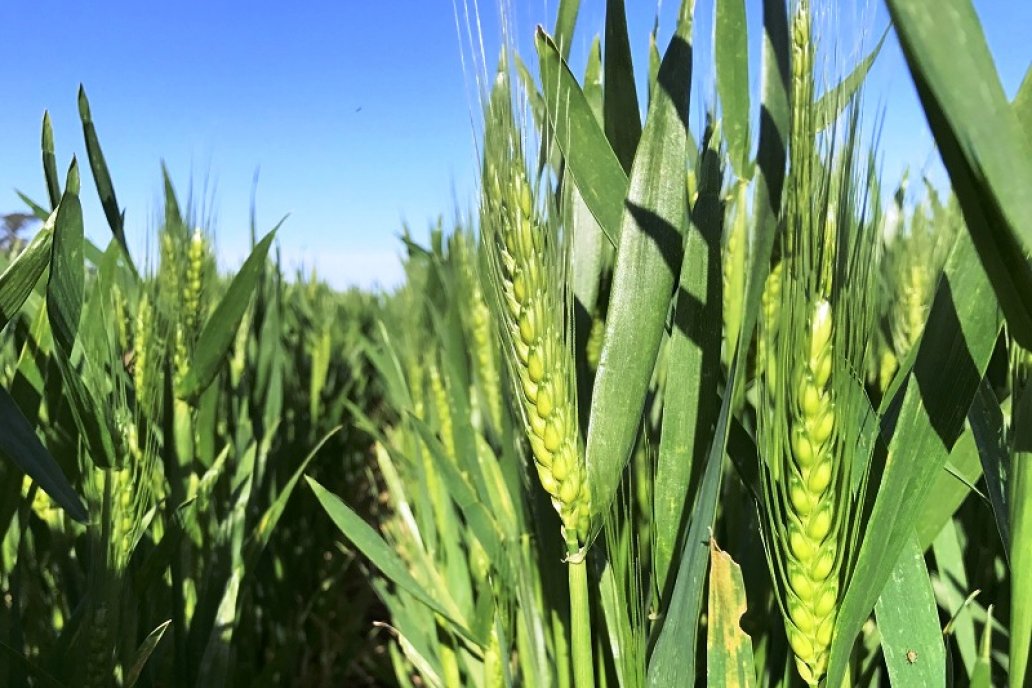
[580, 625]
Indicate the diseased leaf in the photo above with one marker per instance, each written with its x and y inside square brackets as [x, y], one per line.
[729, 654]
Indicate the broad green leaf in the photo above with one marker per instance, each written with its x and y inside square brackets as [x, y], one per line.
[620, 99]
[219, 331]
[65, 289]
[831, 104]
[369, 542]
[731, 55]
[672, 662]
[50, 162]
[988, 156]
[729, 654]
[20, 277]
[101, 176]
[959, 336]
[908, 620]
[590, 160]
[648, 262]
[19, 443]
[692, 358]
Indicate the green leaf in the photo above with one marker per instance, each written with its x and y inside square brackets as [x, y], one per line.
[144, 652]
[672, 662]
[908, 620]
[987, 155]
[590, 160]
[956, 594]
[220, 329]
[729, 655]
[770, 166]
[1023, 104]
[987, 427]
[39, 211]
[620, 98]
[19, 443]
[369, 542]
[951, 487]
[20, 277]
[565, 22]
[67, 272]
[50, 162]
[692, 358]
[831, 104]
[101, 176]
[267, 523]
[215, 662]
[648, 262]
[731, 54]
[926, 422]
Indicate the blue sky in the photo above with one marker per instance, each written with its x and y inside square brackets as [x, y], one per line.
[355, 113]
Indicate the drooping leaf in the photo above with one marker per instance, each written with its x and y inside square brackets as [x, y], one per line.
[369, 542]
[19, 443]
[20, 277]
[590, 160]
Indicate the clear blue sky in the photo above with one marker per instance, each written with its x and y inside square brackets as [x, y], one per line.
[356, 112]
